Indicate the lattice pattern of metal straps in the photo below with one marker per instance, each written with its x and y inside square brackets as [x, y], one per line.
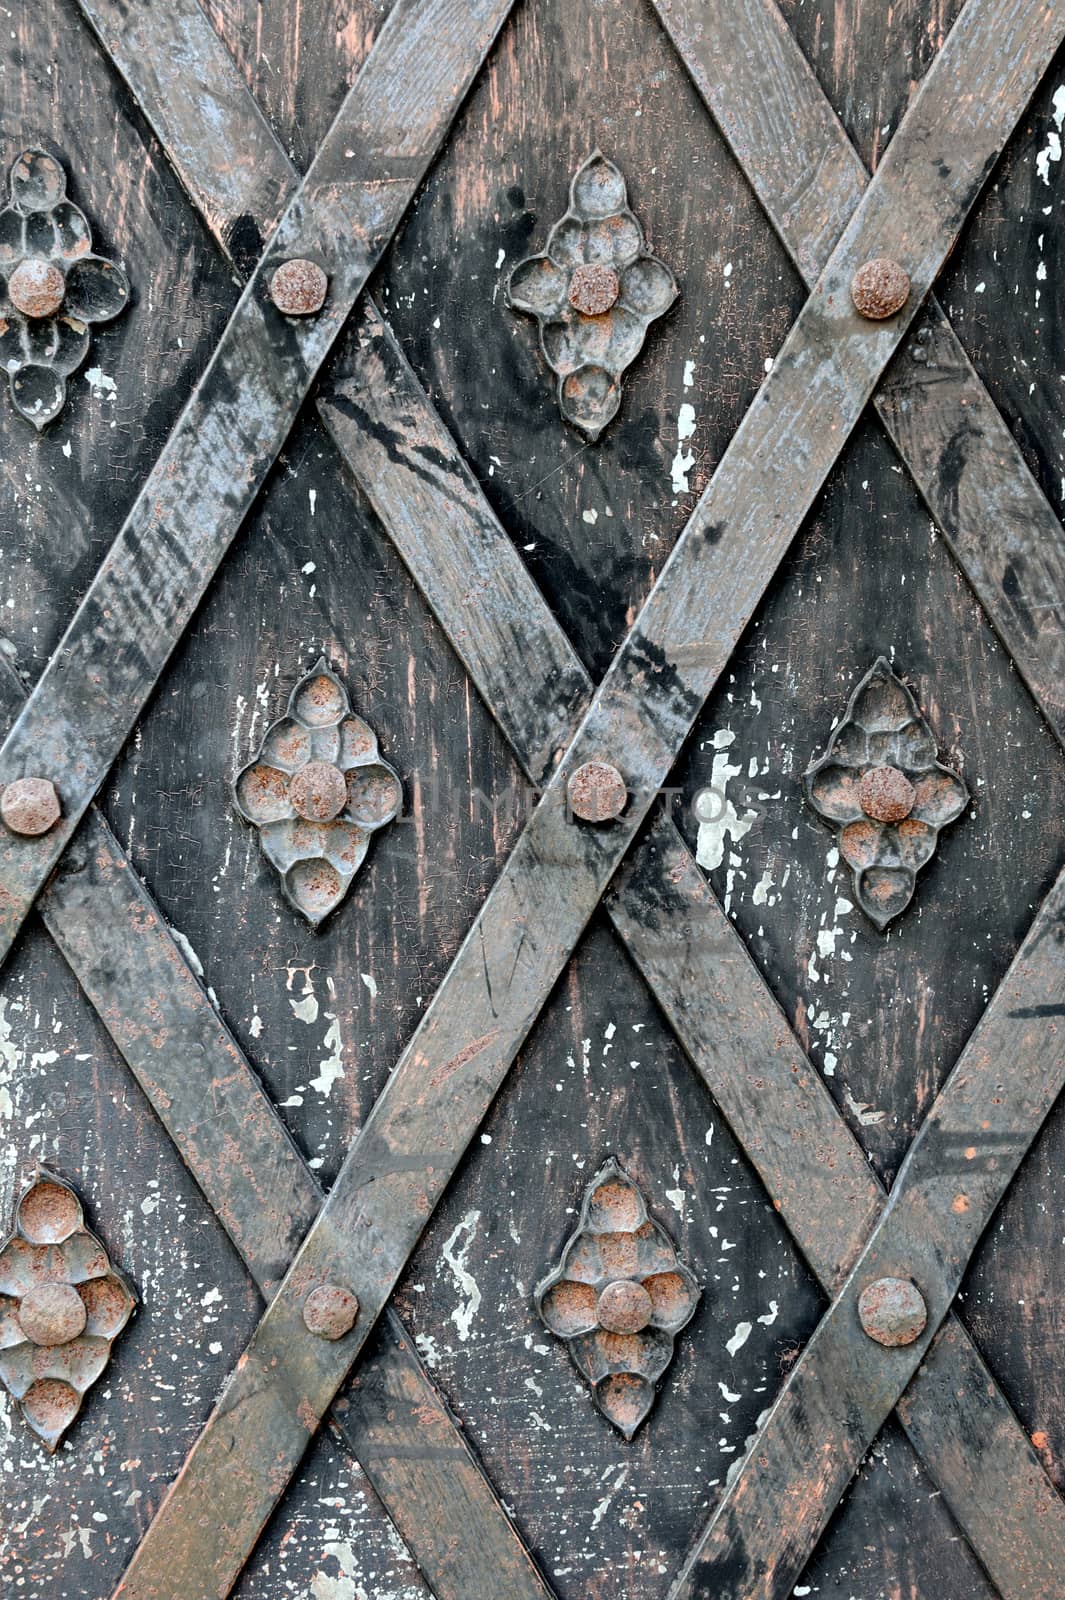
[678, 717]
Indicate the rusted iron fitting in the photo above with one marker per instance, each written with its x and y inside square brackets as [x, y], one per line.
[36, 287]
[880, 288]
[29, 806]
[624, 1306]
[597, 792]
[892, 1311]
[593, 288]
[329, 1311]
[298, 287]
[886, 794]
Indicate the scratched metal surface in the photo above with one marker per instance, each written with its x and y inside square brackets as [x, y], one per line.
[323, 1017]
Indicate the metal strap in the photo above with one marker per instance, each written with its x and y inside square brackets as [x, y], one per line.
[225, 441]
[844, 1385]
[400, 1164]
[963, 458]
[695, 962]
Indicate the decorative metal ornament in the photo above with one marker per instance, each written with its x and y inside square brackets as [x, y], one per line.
[317, 790]
[882, 789]
[52, 287]
[594, 294]
[618, 1298]
[62, 1305]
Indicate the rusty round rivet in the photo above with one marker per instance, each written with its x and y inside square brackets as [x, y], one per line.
[330, 1312]
[892, 1311]
[597, 792]
[298, 287]
[879, 288]
[30, 806]
[52, 1313]
[36, 288]
[318, 791]
[624, 1307]
[886, 794]
[593, 288]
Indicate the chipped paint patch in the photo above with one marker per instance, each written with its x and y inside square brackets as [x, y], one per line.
[331, 1068]
[739, 1338]
[1051, 151]
[456, 1258]
[100, 383]
[684, 460]
[717, 815]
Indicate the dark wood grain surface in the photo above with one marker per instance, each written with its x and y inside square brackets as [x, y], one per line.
[594, 526]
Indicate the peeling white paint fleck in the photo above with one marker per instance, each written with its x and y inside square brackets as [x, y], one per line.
[331, 1068]
[717, 816]
[1051, 151]
[456, 1258]
[684, 460]
[867, 1117]
[739, 1338]
[100, 383]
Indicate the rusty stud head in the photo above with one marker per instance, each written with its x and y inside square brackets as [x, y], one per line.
[892, 1311]
[879, 288]
[318, 791]
[593, 288]
[886, 794]
[597, 792]
[52, 1313]
[298, 287]
[30, 806]
[36, 288]
[329, 1312]
[624, 1307]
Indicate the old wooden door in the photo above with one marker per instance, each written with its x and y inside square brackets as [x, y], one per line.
[536, 713]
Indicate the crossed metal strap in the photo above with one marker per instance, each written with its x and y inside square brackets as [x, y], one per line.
[389, 1180]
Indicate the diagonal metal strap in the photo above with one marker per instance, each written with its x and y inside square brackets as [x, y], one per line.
[150, 48]
[692, 957]
[820, 1181]
[436, 514]
[228, 1133]
[225, 441]
[844, 1385]
[403, 1159]
[966, 463]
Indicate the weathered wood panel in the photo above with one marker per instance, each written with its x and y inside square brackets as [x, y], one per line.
[301, 1006]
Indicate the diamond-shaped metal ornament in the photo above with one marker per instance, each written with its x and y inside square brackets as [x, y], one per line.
[62, 1305]
[880, 786]
[594, 293]
[618, 1298]
[317, 790]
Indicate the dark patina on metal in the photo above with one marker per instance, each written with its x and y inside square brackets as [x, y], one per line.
[594, 293]
[317, 791]
[597, 792]
[62, 1305]
[299, 287]
[330, 1311]
[618, 1298]
[29, 806]
[892, 1311]
[52, 287]
[879, 289]
[880, 786]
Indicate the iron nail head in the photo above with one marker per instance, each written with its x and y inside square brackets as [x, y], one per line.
[329, 1311]
[880, 288]
[29, 806]
[298, 287]
[892, 1311]
[597, 792]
